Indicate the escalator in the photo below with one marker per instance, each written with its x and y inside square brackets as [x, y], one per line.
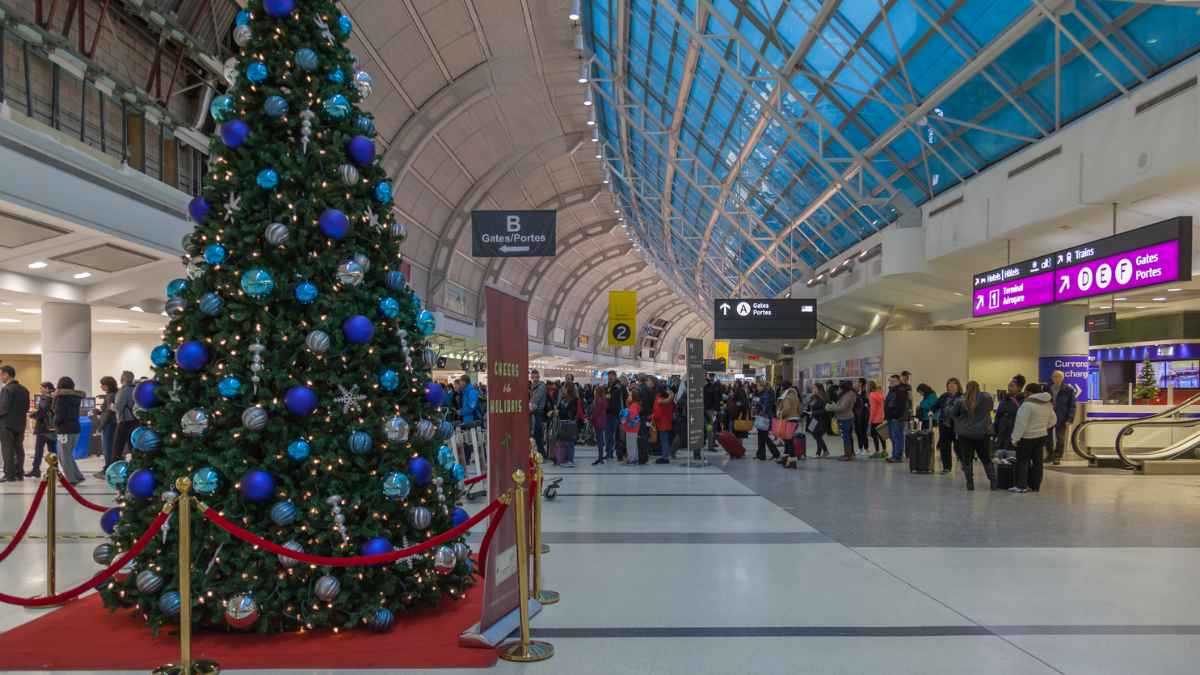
[1135, 458]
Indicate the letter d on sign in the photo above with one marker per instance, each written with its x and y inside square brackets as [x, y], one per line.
[513, 223]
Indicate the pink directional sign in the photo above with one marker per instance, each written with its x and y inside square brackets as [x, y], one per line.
[1010, 296]
[1146, 266]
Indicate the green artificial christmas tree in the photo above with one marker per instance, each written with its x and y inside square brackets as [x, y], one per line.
[292, 386]
[1147, 384]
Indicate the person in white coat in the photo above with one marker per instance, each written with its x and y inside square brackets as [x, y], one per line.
[1035, 419]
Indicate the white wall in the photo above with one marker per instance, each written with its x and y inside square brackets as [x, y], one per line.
[932, 356]
[844, 350]
[996, 354]
[111, 353]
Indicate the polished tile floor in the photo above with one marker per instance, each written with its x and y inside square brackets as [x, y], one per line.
[744, 567]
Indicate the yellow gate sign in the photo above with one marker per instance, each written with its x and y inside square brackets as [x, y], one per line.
[622, 318]
[721, 350]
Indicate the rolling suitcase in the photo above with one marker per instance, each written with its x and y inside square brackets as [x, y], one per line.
[731, 444]
[1006, 476]
[919, 447]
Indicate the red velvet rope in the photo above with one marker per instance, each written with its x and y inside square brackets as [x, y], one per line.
[20, 533]
[476, 479]
[78, 497]
[351, 561]
[486, 544]
[138, 546]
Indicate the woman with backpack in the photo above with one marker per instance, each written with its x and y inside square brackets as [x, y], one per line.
[943, 417]
[843, 409]
[972, 415]
[790, 412]
[66, 422]
[569, 413]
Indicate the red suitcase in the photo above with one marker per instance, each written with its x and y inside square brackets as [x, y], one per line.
[731, 444]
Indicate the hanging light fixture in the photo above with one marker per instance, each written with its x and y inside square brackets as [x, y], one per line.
[579, 38]
[585, 72]
[574, 15]
[595, 135]
[591, 117]
[587, 97]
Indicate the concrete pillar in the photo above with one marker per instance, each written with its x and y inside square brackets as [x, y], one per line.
[67, 343]
[1063, 344]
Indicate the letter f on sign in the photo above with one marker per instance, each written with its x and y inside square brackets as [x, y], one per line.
[513, 223]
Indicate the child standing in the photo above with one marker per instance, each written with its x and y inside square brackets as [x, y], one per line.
[630, 424]
[664, 413]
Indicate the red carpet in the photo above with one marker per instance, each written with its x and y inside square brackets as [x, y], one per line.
[99, 640]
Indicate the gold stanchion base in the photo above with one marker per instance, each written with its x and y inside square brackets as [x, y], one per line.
[547, 597]
[545, 549]
[535, 651]
[198, 668]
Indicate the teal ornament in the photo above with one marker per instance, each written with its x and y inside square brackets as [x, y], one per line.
[215, 254]
[306, 292]
[426, 322]
[337, 106]
[206, 480]
[242, 18]
[336, 76]
[210, 304]
[383, 192]
[345, 25]
[389, 380]
[445, 457]
[257, 283]
[116, 474]
[389, 307]
[360, 442]
[306, 59]
[365, 124]
[396, 486]
[176, 287]
[256, 72]
[283, 513]
[275, 107]
[459, 471]
[416, 303]
[299, 450]
[267, 179]
[145, 439]
[229, 387]
[395, 280]
[161, 355]
[222, 109]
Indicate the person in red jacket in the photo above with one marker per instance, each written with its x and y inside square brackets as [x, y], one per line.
[664, 412]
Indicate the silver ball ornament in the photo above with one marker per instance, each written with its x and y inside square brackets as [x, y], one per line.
[398, 230]
[363, 83]
[241, 611]
[327, 588]
[103, 554]
[149, 582]
[230, 70]
[194, 422]
[242, 35]
[350, 273]
[277, 234]
[349, 174]
[254, 418]
[430, 358]
[291, 546]
[363, 261]
[420, 517]
[426, 430]
[195, 270]
[317, 341]
[462, 551]
[176, 306]
[444, 560]
[396, 429]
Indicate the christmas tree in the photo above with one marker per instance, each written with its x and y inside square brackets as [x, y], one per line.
[1147, 384]
[294, 365]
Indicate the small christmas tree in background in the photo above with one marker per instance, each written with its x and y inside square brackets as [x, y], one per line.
[294, 364]
[1147, 383]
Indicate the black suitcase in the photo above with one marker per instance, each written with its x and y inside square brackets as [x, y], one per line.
[919, 447]
[1006, 476]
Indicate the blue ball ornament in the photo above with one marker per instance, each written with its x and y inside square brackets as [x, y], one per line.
[176, 287]
[381, 620]
[215, 254]
[299, 450]
[300, 400]
[109, 519]
[117, 474]
[161, 355]
[358, 329]
[141, 484]
[206, 480]
[307, 59]
[283, 513]
[459, 516]
[275, 106]
[389, 380]
[229, 387]
[267, 179]
[256, 72]
[242, 18]
[396, 486]
[459, 471]
[146, 394]
[389, 307]
[446, 429]
[395, 280]
[198, 209]
[170, 604]
[336, 76]
[376, 546]
[222, 109]
[257, 485]
[210, 304]
[434, 393]
[234, 133]
[360, 442]
[337, 106]
[421, 471]
[145, 439]
[277, 9]
[445, 457]
[334, 224]
[306, 292]
[426, 322]
[192, 355]
[361, 150]
[383, 192]
[345, 25]
[257, 282]
[365, 124]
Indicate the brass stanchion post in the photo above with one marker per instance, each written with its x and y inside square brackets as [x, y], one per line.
[538, 460]
[186, 665]
[540, 594]
[51, 517]
[524, 650]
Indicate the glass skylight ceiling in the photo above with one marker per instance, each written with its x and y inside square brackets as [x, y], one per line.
[750, 141]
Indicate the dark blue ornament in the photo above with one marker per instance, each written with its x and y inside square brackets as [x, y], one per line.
[360, 442]
[306, 292]
[206, 480]
[337, 106]
[381, 621]
[242, 18]
[192, 355]
[170, 604]
[275, 106]
[257, 485]
[345, 25]
[358, 329]
[210, 304]
[222, 109]
[267, 179]
[176, 287]
[198, 209]
[383, 192]
[361, 150]
[141, 484]
[229, 387]
[459, 516]
[256, 72]
[300, 400]
[334, 224]
[389, 308]
[336, 76]
[215, 254]
[434, 393]
[446, 429]
[257, 282]
[307, 59]
[365, 124]
[395, 280]
[279, 8]
[376, 546]
[108, 521]
[234, 133]
[145, 439]
[421, 471]
[283, 513]
[161, 355]
[299, 450]
[146, 394]
[389, 380]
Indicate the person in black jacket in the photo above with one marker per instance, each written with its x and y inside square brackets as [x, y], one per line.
[612, 396]
[897, 410]
[1062, 395]
[712, 409]
[14, 406]
[66, 422]
[43, 429]
[647, 394]
[1006, 414]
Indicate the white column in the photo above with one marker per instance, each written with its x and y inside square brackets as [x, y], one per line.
[67, 343]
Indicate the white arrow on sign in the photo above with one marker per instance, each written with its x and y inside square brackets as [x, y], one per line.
[979, 302]
[514, 249]
[724, 309]
[1066, 283]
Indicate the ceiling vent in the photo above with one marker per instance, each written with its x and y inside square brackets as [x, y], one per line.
[1171, 93]
[1050, 154]
[106, 258]
[16, 231]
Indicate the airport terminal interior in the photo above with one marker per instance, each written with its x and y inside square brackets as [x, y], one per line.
[600, 336]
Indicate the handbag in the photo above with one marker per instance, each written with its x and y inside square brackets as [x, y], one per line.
[814, 424]
[653, 434]
[742, 425]
[784, 430]
[762, 423]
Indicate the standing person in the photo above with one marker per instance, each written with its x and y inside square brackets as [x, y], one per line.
[972, 415]
[712, 406]
[1006, 414]
[1035, 419]
[127, 421]
[468, 408]
[875, 402]
[862, 414]
[766, 408]
[1064, 413]
[613, 396]
[66, 422]
[14, 406]
[43, 429]
[647, 395]
[928, 398]
[843, 408]
[790, 411]
[943, 417]
[663, 416]
[897, 409]
[631, 424]
[818, 418]
[537, 410]
[106, 421]
[569, 412]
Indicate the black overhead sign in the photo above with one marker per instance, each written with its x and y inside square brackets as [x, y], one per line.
[1095, 323]
[764, 319]
[513, 234]
[715, 365]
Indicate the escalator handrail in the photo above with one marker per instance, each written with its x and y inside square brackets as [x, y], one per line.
[1137, 462]
[1091, 457]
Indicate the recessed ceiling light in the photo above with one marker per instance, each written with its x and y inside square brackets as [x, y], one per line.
[82, 275]
[959, 294]
[1033, 323]
[1140, 307]
[1174, 290]
[917, 304]
[111, 321]
[1105, 306]
[1005, 323]
[135, 308]
[1160, 299]
[5, 304]
[10, 321]
[29, 310]
[1120, 299]
[38, 264]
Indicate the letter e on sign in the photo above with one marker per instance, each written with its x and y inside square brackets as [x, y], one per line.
[513, 223]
